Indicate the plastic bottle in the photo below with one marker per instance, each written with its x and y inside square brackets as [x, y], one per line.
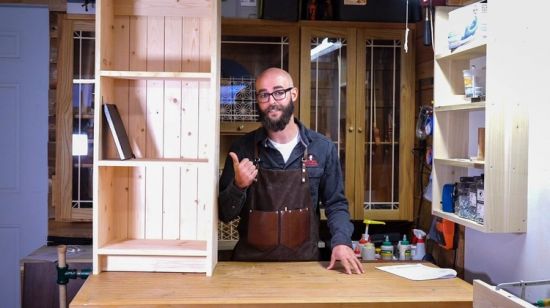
[363, 240]
[420, 250]
[368, 252]
[404, 249]
[386, 252]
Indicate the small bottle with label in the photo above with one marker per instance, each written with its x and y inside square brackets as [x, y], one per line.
[386, 252]
[404, 249]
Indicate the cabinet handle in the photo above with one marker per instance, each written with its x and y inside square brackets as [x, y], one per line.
[240, 127]
[350, 129]
[359, 129]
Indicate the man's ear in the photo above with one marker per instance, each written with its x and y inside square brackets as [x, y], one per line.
[294, 93]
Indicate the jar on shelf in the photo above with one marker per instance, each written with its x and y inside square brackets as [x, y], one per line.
[480, 199]
[466, 206]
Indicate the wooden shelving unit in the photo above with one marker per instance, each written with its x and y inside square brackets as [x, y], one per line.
[158, 61]
[456, 121]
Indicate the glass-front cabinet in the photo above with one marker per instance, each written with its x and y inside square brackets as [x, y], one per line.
[356, 86]
[74, 120]
[357, 89]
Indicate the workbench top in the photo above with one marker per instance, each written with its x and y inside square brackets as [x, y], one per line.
[250, 284]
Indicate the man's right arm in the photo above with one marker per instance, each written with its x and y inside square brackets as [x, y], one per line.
[231, 198]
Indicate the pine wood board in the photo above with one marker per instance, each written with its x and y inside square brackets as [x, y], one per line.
[303, 284]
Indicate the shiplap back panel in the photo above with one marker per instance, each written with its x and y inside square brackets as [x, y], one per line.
[162, 120]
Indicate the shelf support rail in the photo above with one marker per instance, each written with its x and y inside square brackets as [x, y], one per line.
[523, 285]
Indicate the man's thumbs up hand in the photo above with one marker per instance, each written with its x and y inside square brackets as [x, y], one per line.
[245, 171]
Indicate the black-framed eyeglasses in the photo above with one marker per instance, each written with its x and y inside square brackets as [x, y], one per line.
[278, 95]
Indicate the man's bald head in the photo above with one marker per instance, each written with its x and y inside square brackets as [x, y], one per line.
[276, 73]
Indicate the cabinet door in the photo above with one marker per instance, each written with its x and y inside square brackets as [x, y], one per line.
[385, 125]
[357, 89]
[328, 93]
[74, 123]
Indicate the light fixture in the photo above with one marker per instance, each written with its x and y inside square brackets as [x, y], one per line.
[324, 48]
[80, 144]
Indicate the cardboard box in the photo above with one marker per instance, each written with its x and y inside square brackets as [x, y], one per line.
[240, 8]
[467, 24]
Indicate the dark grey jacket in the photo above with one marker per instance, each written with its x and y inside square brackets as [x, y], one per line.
[324, 172]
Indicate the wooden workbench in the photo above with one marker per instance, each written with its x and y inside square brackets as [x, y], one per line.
[239, 284]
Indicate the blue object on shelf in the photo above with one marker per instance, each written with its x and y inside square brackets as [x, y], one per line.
[447, 201]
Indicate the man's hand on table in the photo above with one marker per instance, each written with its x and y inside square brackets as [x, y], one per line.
[347, 257]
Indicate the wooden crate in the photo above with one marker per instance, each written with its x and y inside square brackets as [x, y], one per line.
[158, 61]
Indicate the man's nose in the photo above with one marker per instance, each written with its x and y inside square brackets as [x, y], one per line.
[271, 99]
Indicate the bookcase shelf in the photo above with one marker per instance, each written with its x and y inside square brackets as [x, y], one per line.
[159, 162]
[144, 75]
[465, 106]
[456, 134]
[154, 248]
[158, 63]
[461, 162]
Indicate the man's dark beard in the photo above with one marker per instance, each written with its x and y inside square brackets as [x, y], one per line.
[280, 124]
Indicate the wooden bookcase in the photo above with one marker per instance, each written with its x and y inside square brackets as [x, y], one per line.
[158, 61]
[456, 120]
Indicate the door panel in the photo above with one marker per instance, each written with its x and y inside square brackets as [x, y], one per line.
[24, 49]
[328, 92]
[359, 94]
[384, 176]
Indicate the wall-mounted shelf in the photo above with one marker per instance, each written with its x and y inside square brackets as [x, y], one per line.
[456, 123]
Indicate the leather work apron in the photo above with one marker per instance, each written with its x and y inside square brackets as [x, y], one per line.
[279, 223]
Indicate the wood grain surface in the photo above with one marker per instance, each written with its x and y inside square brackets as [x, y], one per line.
[299, 284]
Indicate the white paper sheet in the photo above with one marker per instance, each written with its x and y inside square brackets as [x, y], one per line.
[419, 271]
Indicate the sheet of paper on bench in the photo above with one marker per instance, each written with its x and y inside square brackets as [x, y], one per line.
[419, 271]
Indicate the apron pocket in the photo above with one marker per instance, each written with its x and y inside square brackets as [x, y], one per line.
[262, 229]
[294, 227]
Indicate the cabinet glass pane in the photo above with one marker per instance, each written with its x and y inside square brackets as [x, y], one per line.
[328, 90]
[243, 58]
[83, 113]
[84, 55]
[83, 125]
[382, 100]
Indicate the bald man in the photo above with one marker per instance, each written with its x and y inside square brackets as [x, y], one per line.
[274, 179]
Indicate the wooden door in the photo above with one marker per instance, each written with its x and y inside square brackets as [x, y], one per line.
[358, 92]
[327, 92]
[385, 113]
[72, 190]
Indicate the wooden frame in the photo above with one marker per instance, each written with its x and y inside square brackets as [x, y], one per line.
[356, 34]
[160, 64]
[506, 134]
[63, 183]
[308, 32]
[406, 124]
